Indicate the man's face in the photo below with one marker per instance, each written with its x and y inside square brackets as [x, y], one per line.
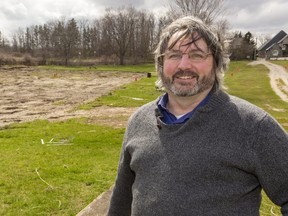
[188, 68]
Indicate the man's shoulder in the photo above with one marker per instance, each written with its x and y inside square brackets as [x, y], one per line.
[143, 117]
[224, 100]
[234, 107]
[245, 105]
[246, 110]
[145, 110]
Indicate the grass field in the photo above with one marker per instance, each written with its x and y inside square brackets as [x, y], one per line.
[131, 95]
[59, 177]
[283, 63]
[58, 168]
[127, 68]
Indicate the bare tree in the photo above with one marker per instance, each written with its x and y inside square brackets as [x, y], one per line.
[119, 25]
[84, 37]
[20, 37]
[211, 12]
[262, 38]
[95, 33]
[141, 45]
[3, 42]
[44, 38]
[206, 10]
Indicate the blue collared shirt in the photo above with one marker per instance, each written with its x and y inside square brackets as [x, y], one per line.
[169, 118]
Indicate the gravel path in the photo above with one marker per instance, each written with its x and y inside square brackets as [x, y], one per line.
[278, 78]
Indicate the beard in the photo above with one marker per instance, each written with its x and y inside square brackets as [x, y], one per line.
[185, 89]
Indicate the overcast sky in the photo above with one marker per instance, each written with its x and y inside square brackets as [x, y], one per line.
[256, 16]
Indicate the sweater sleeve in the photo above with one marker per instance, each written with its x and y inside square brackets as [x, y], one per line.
[121, 199]
[271, 154]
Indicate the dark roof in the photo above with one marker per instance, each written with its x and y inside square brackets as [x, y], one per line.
[274, 40]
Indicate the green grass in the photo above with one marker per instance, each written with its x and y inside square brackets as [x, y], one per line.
[132, 95]
[143, 68]
[283, 63]
[53, 179]
[50, 179]
[252, 83]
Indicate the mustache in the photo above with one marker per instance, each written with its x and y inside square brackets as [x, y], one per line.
[185, 73]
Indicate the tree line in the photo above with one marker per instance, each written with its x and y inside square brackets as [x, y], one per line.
[123, 35]
[120, 33]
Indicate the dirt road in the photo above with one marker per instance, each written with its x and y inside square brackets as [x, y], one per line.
[28, 94]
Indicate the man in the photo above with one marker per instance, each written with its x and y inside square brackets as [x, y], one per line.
[197, 150]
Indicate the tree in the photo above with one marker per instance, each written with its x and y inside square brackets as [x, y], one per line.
[28, 41]
[65, 38]
[206, 10]
[71, 42]
[242, 47]
[119, 25]
[1, 40]
[44, 39]
[262, 38]
[144, 34]
[210, 12]
[58, 38]
[122, 33]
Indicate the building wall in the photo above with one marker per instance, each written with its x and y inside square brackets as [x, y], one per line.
[274, 52]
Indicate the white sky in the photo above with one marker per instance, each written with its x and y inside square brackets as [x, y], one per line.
[256, 16]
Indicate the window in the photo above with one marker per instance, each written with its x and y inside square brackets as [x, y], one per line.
[275, 53]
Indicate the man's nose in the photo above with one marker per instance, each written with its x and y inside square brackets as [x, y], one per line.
[184, 62]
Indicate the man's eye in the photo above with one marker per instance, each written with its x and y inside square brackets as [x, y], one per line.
[196, 56]
[174, 56]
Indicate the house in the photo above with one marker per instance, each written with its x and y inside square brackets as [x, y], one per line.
[275, 48]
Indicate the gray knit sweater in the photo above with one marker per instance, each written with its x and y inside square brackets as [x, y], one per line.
[214, 164]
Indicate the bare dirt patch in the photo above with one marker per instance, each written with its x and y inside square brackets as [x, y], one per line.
[30, 93]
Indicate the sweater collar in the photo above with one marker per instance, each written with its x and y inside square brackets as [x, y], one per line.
[169, 118]
[217, 98]
[216, 101]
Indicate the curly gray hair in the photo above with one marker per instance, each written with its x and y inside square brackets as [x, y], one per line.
[188, 26]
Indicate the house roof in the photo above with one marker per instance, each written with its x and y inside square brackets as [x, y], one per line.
[274, 40]
[270, 46]
[283, 38]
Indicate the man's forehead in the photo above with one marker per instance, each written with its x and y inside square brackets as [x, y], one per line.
[179, 38]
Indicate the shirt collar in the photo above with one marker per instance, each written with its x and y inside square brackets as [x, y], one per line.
[169, 118]
[163, 101]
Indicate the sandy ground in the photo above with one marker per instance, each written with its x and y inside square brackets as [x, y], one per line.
[28, 94]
